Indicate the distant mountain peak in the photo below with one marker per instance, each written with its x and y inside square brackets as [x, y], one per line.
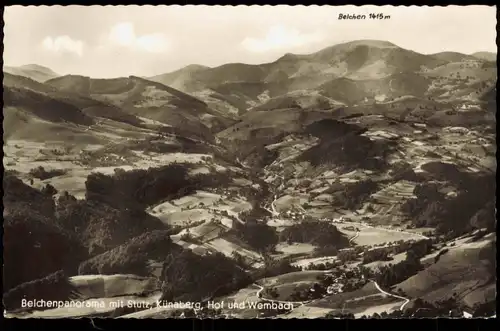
[37, 67]
[196, 67]
[289, 57]
[371, 43]
[34, 66]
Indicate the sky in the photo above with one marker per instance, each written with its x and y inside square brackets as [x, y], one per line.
[115, 41]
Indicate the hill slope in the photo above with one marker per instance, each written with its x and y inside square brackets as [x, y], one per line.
[359, 64]
[147, 99]
[33, 71]
[488, 56]
[41, 111]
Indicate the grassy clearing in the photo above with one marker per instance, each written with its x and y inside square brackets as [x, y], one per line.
[228, 248]
[108, 286]
[389, 307]
[201, 206]
[292, 277]
[288, 202]
[314, 261]
[395, 259]
[295, 248]
[463, 270]
[374, 236]
[337, 301]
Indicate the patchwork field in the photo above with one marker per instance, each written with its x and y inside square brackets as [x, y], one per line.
[359, 302]
[23, 156]
[201, 206]
[369, 235]
[391, 195]
[325, 148]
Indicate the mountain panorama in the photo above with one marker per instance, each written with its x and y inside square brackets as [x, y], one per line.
[354, 182]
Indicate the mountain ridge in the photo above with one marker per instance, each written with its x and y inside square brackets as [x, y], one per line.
[34, 71]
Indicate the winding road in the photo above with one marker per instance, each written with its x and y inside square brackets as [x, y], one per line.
[301, 303]
[328, 293]
[259, 296]
[354, 237]
[377, 286]
[273, 208]
[392, 295]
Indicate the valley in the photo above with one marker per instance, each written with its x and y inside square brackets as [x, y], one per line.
[354, 182]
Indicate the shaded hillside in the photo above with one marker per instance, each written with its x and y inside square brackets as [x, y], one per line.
[152, 100]
[16, 81]
[101, 227]
[248, 138]
[490, 99]
[349, 152]
[431, 208]
[388, 88]
[54, 287]
[126, 91]
[332, 129]
[20, 124]
[178, 78]
[270, 124]
[32, 71]
[299, 100]
[24, 97]
[18, 195]
[44, 107]
[112, 113]
[315, 232]
[34, 245]
[139, 188]
[132, 256]
[191, 277]
[343, 145]
[41, 238]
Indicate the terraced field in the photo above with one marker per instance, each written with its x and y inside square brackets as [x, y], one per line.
[387, 200]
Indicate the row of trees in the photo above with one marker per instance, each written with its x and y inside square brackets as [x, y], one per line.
[315, 232]
[392, 274]
[257, 234]
[139, 188]
[273, 267]
[43, 174]
[418, 248]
